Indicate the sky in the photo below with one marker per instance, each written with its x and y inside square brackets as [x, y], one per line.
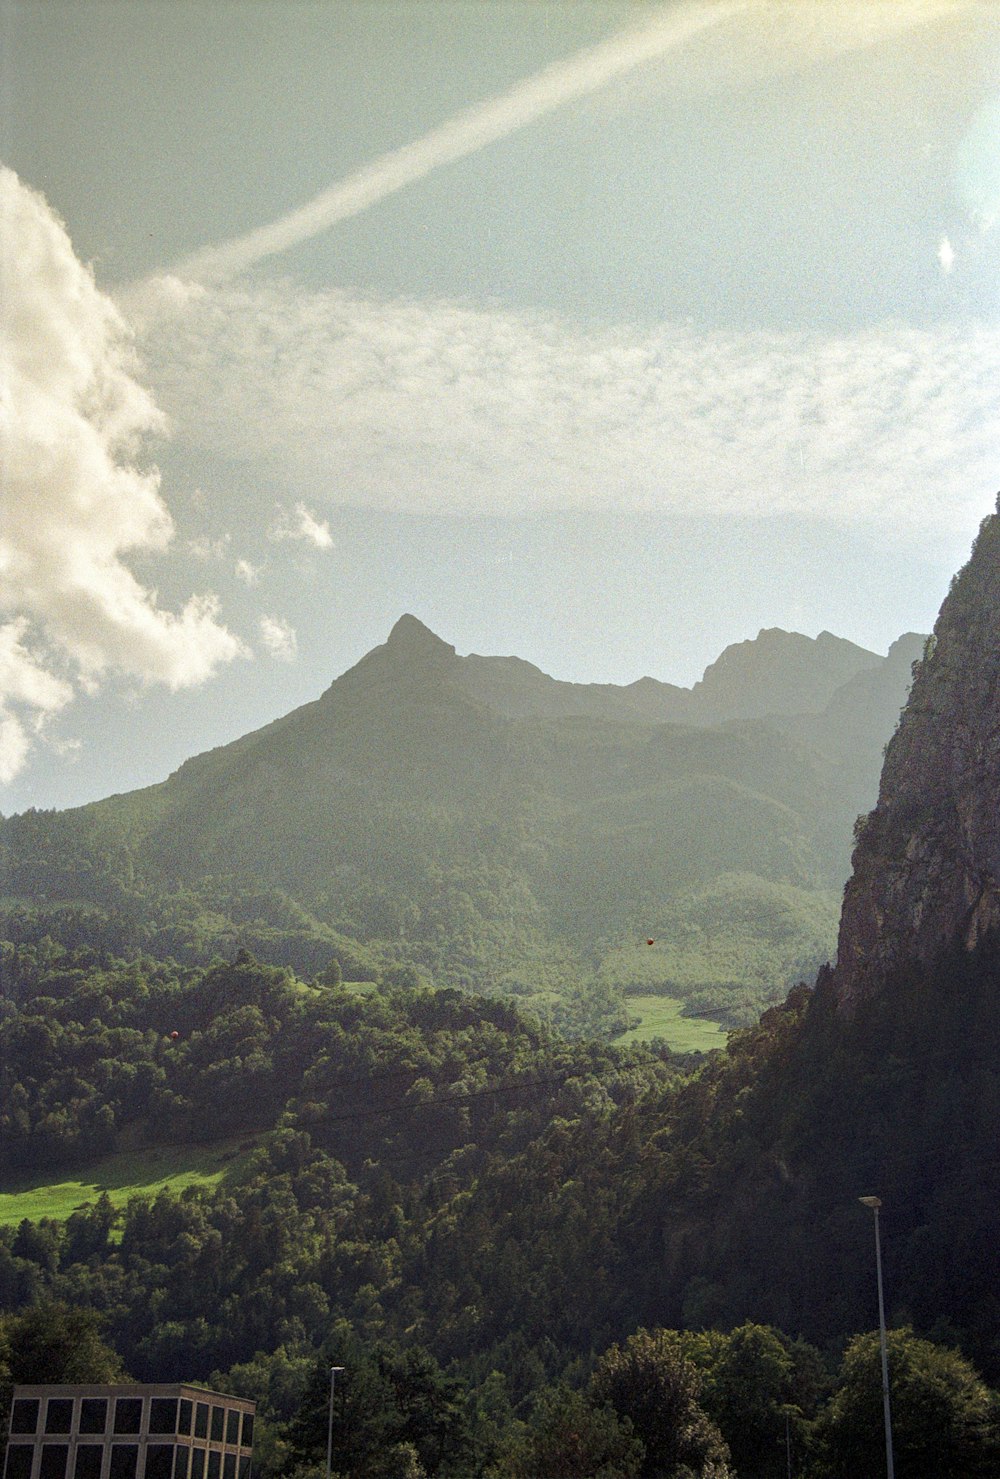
[603, 334]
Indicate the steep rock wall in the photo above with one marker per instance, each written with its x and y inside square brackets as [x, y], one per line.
[926, 868]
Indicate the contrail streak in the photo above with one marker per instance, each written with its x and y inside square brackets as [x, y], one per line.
[575, 77]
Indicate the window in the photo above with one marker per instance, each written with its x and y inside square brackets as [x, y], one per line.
[183, 1455]
[163, 1415]
[128, 1414]
[93, 1414]
[59, 1415]
[53, 1465]
[218, 1418]
[201, 1420]
[244, 1466]
[214, 1463]
[197, 1463]
[159, 1461]
[184, 1417]
[248, 1430]
[88, 1461]
[19, 1456]
[24, 1416]
[233, 1425]
[229, 1466]
[124, 1460]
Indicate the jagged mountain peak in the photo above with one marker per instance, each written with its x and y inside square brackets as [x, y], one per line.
[411, 638]
[927, 864]
[779, 672]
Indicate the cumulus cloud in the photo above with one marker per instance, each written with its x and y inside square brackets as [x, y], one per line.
[441, 407]
[278, 638]
[302, 524]
[29, 696]
[75, 499]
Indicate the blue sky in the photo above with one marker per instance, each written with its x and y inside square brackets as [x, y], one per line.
[604, 334]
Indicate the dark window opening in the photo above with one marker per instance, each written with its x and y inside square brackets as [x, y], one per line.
[201, 1420]
[93, 1414]
[59, 1415]
[24, 1415]
[163, 1415]
[88, 1461]
[184, 1417]
[128, 1414]
[214, 1463]
[124, 1460]
[233, 1425]
[19, 1457]
[53, 1465]
[159, 1461]
[218, 1418]
[197, 1463]
[248, 1430]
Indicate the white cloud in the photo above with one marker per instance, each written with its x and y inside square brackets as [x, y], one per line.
[74, 418]
[278, 638]
[444, 408]
[29, 696]
[946, 255]
[302, 524]
[205, 548]
[247, 572]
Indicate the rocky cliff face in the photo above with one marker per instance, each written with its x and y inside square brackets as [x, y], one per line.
[927, 863]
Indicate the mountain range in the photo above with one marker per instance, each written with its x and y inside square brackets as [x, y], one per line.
[499, 829]
[445, 1172]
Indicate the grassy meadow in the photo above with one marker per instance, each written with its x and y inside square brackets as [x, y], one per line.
[127, 1174]
[661, 1017]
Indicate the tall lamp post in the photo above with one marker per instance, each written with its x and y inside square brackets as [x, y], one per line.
[875, 1203]
[329, 1421]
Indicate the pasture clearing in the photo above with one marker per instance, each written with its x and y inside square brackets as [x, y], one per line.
[127, 1174]
[661, 1017]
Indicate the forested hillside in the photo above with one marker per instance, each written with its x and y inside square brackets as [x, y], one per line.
[476, 1217]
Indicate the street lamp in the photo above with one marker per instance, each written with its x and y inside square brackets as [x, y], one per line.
[875, 1203]
[329, 1423]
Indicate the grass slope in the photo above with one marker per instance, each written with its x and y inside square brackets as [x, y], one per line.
[661, 1017]
[124, 1175]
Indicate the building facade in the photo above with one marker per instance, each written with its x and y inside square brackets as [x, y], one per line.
[161, 1431]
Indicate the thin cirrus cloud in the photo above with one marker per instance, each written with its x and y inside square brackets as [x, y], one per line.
[771, 36]
[445, 408]
[577, 76]
[433, 406]
[75, 419]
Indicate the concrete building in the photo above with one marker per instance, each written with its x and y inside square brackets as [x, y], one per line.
[161, 1431]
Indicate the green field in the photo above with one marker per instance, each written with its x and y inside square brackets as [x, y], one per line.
[128, 1174]
[661, 1017]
